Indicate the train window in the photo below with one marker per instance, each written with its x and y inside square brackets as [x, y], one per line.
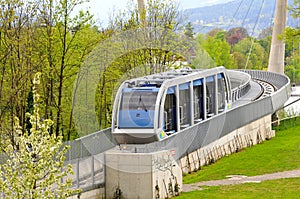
[137, 108]
[184, 105]
[198, 100]
[138, 100]
[170, 124]
[222, 93]
[210, 96]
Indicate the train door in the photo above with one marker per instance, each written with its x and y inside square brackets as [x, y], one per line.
[198, 100]
[184, 105]
[170, 125]
[222, 93]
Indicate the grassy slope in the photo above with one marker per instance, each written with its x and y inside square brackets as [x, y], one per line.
[284, 188]
[279, 154]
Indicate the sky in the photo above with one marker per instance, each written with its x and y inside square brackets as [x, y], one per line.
[101, 8]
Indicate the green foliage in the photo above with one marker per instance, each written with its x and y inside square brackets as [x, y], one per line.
[35, 166]
[216, 31]
[232, 49]
[266, 43]
[16, 65]
[51, 38]
[140, 62]
[295, 9]
[292, 38]
[253, 53]
[189, 30]
[239, 60]
[217, 48]
[292, 68]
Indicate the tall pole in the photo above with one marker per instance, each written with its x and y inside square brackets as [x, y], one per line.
[276, 60]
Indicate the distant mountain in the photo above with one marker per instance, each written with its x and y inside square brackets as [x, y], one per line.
[236, 14]
[201, 3]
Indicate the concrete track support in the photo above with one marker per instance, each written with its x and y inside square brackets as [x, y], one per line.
[276, 60]
[142, 175]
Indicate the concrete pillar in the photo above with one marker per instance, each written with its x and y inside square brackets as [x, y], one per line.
[276, 60]
[141, 175]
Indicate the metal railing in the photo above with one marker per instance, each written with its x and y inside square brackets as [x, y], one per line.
[86, 155]
[240, 84]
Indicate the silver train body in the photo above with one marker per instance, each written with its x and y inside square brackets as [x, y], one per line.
[158, 106]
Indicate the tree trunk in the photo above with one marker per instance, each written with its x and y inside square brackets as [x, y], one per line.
[62, 66]
[142, 12]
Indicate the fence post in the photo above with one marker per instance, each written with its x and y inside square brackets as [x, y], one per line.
[93, 170]
[77, 172]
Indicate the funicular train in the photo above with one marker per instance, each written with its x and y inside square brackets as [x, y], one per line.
[158, 106]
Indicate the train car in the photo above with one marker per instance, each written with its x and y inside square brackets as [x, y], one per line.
[158, 106]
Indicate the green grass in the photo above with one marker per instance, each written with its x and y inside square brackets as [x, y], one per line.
[281, 153]
[283, 188]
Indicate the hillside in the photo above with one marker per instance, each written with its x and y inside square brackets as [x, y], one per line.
[235, 14]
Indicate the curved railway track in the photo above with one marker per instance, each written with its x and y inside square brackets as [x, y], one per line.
[267, 88]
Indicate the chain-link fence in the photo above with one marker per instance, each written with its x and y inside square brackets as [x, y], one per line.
[86, 155]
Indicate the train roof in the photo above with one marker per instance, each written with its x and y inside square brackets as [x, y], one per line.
[178, 75]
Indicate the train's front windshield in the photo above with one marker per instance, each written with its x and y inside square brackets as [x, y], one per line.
[138, 100]
[137, 109]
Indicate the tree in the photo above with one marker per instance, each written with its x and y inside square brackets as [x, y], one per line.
[189, 30]
[239, 60]
[267, 32]
[255, 55]
[292, 53]
[295, 9]
[214, 32]
[218, 49]
[64, 38]
[266, 44]
[35, 166]
[157, 15]
[292, 50]
[43, 36]
[16, 65]
[234, 35]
